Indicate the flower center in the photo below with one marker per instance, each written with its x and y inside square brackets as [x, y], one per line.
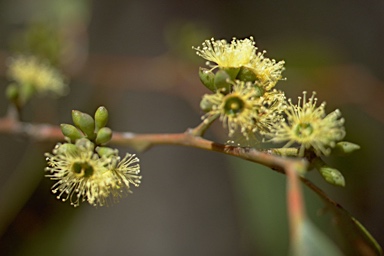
[233, 105]
[304, 129]
[82, 169]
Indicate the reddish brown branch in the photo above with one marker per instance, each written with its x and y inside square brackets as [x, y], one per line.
[141, 142]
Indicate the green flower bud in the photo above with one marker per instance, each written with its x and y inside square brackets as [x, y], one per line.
[222, 81]
[343, 148]
[232, 72]
[71, 132]
[207, 78]
[103, 135]
[106, 151]
[260, 91]
[65, 148]
[206, 104]
[332, 176]
[85, 123]
[101, 117]
[12, 92]
[247, 75]
[26, 92]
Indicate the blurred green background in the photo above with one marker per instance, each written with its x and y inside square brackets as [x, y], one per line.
[135, 58]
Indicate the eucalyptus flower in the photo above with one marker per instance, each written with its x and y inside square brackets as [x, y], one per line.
[267, 71]
[309, 126]
[41, 77]
[235, 54]
[246, 108]
[81, 174]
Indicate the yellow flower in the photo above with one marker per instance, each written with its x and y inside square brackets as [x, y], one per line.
[246, 108]
[42, 77]
[267, 71]
[82, 175]
[309, 126]
[227, 55]
[125, 172]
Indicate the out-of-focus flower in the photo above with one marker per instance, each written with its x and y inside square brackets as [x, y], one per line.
[30, 71]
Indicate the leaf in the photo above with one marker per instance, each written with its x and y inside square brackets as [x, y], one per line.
[356, 237]
[312, 242]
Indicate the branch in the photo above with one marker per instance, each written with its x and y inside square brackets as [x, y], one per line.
[142, 142]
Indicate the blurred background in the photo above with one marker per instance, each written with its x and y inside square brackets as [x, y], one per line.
[135, 58]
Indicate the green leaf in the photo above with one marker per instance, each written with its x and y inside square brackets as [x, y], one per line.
[312, 242]
[356, 238]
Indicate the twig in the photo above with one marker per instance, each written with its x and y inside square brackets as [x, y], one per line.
[142, 142]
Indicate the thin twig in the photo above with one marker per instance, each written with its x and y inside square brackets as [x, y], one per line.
[142, 142]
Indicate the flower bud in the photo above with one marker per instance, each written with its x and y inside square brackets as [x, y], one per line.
[206, 104]
[232, 72]
[332, 175]
[12, 92]
[65, 148]
[106, 151]
[222, 81]
[207, 78]
[247, 75]
[259, 90]
[343, 148]
[71, 132]
[103, 135]
[26, 91]
[101, 117]
[84, 122]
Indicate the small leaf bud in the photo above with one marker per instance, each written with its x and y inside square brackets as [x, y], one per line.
[343, 148]
[71, 132]
[332, 175]
[207, 78]
[101, 117]
[247, 75]
[221, 81]
[84, 122]
[103, 135]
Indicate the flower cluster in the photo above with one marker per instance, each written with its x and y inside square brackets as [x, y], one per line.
[242, 61]
[85, 169]
[243, 86]
[36, 75]
[243, 97]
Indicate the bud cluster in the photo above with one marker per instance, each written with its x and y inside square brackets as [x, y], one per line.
[84, 168]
